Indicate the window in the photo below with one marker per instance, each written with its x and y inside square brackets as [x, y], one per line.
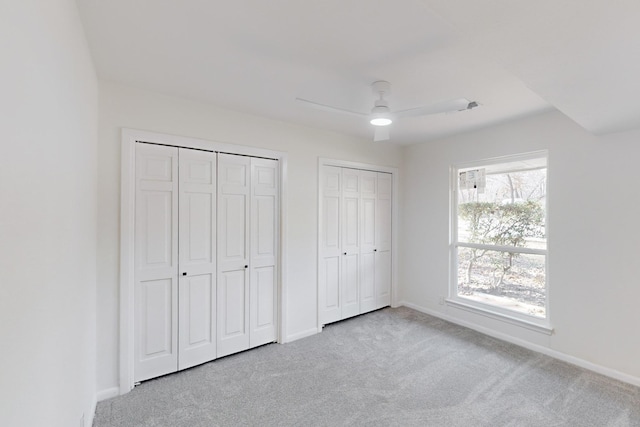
[499, 250]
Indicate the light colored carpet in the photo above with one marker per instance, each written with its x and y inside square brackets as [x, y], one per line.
[391, 367]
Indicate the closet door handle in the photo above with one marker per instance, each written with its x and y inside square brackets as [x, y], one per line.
[246, 266]
[345, 253]
[375, 250]
[184, 274]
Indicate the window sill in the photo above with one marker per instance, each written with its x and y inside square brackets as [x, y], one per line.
[544, 329]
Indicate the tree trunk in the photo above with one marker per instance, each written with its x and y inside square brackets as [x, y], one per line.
[501, 278]
[513, 196]
[504, 271]
[470, 266]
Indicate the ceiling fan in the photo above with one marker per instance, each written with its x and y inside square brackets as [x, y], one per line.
[381, 115]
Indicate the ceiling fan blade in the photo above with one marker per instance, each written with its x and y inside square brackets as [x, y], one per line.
[328, 108]
[441, 107]
[381, 133]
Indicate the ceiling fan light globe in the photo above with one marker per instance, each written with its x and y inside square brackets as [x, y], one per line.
[381, 121]
[381, 116]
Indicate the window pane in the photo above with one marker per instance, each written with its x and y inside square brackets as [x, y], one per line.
[511, 281]
[508, 211]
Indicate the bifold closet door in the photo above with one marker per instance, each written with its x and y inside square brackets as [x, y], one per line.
[354, 267]
[175, 281]
[247, 252]
[156, 262]
[383, 240]
[264, 251]
[339, 270]
[368, 241]
[330, 268]
[197, 258]
[350, 242]
[233, 253]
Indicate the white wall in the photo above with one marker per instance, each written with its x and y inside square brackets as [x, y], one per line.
[48, 133]
[121, 106]
[593, 235]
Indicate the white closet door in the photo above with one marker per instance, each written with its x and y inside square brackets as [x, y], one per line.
[264, 251]
[368, 240]
[383, 237]
[197, 272]
[329, 270]
[156, 262]
[233, 254]
[350, 242]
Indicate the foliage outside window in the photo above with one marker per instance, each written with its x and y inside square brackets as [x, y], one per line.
[499, 237]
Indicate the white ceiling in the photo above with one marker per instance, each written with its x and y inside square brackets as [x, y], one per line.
[514, 57]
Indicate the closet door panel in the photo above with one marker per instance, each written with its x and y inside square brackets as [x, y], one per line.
[383, 220]
[263, 231]
[156, 262]
[232, 307]
[383, 232]
[330, 268]
[263, 306]
[233, 237]
[233, 254]
[383, 279]
[350, 243]
[331, 216]
[368, 223]
[350, 294]
[155, 215]
[264, 253]
[369, 184]
[197, 338]
[367, 282]
[156, 317]
[197, 237]
[351, 221]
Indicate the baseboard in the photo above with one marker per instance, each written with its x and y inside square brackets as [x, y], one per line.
[107, 393]
[603, 370]
[300, 335]
[88, 421]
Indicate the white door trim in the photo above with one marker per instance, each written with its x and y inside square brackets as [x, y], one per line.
[129, 137]
[322, 161]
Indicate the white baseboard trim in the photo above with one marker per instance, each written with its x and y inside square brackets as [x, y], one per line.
[603, 370]
[107, 393]
[300, 335]
[88, 420]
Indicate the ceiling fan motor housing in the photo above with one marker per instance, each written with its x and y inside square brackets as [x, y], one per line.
[381, 87]
[381, 106]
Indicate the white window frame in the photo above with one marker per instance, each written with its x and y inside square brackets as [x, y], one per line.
[530, 322]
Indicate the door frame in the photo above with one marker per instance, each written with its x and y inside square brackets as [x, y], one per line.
[322, 161]
[129, 138]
